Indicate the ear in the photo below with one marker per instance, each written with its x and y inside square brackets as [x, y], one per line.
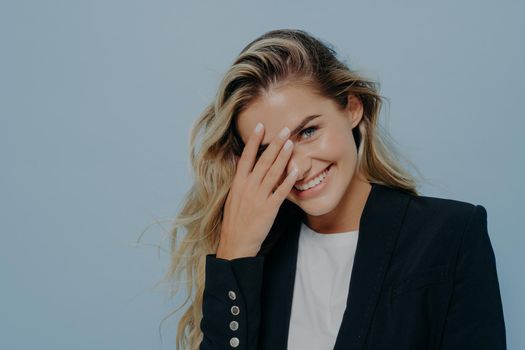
[354, 109]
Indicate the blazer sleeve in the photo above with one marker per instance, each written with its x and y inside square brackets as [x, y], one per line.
[475, 314]
[231, 306]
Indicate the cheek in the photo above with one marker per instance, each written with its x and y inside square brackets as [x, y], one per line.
[337, 145]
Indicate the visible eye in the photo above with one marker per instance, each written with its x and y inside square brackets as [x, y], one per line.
[314, 128]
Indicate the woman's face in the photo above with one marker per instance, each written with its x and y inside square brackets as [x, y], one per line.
[324, 143]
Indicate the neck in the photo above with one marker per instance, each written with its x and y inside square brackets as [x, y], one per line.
[346, 216]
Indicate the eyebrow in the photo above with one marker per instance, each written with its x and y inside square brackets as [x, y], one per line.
[295, 131]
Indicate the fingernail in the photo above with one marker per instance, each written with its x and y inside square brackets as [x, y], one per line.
[284, 133]
[294, 172]
[287, 145]
[258, 128]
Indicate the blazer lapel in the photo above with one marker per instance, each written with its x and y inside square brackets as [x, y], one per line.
[379, 227]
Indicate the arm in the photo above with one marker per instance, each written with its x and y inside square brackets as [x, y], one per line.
[475, 314]
[243, 277]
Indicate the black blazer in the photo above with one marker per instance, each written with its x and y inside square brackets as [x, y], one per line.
[424, 277]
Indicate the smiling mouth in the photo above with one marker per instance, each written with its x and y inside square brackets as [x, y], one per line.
[318, 179]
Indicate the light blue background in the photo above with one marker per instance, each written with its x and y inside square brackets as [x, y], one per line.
[96, 102]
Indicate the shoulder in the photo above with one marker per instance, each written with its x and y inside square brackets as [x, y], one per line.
[442, 212]
[435, 228]
[422, 216]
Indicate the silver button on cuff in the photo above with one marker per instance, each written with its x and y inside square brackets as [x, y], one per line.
[234, 325]
[234, 342]
[235, 310]
[232, 295]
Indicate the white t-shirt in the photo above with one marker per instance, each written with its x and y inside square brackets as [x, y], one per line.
[324, 267]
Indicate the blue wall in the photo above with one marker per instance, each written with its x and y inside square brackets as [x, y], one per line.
[96, 101]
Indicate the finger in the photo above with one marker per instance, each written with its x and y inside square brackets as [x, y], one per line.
[280, 194]
[269, 155]
[247, 159]
[272, 177]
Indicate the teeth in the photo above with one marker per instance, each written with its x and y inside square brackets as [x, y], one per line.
[313, 182]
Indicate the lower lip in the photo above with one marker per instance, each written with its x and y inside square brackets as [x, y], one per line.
[316, 189]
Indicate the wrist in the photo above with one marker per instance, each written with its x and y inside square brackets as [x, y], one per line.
[225, 252]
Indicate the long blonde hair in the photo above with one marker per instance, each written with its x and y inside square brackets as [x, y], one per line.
[275, 57]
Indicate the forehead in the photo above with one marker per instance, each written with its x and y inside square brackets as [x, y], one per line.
[279, 107]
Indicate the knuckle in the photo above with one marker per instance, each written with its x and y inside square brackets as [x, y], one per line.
[244, 189]
[264, 161]
[245, 198]
[273, 173]
[236, 183]
[240, 189]
[272, 148]
[277, 145]
[276, 196]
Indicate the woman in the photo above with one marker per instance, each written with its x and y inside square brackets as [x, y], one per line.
[304, 232]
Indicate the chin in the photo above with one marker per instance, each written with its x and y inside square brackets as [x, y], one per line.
[315, 208]
[318, 211]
